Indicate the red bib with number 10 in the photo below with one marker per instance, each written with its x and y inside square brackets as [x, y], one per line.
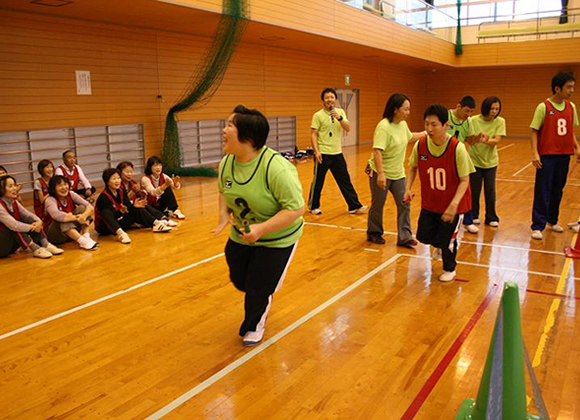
[439, 178]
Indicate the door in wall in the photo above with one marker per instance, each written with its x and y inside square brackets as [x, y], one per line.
[348, 100]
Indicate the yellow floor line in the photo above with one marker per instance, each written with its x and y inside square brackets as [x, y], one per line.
[551, 318]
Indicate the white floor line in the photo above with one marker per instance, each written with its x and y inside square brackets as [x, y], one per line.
[523, 169]
[517, 270]
[540, 251]
[531, 181]
[105, 298]
[506, 147]
[371, 250]
[251, 354]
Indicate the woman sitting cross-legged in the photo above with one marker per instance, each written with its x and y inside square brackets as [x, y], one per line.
[115, 212]
[70, 215]
[135, 191]
[20, 228]
[160, 187]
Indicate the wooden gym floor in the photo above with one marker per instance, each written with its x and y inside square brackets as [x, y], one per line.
[357, 331]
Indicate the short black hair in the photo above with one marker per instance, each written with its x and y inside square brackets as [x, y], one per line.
[125, 164]
[439, 111]
[150, 162]
[328, 90]
[3, 180]
[487, 103]
[68, 151]
[54, 182]
[561, 78]
[393, 103]
[42, 166]
[467, 101]
[108, 173]
[252, 125]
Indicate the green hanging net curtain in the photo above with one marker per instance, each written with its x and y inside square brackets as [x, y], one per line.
[204, 84]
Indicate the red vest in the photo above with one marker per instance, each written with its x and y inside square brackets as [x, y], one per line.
[556, 137]
[116, 204]
[439, 178]
[73, 179]
[15, 212]
[38, 206]
[152, 199]
[68, 208]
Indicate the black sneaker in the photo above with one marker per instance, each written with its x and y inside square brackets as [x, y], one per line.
[376, 239]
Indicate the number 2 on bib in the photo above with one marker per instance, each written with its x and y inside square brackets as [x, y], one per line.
[437, 179]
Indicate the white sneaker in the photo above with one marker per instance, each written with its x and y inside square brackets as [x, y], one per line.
[437, 254]
[472, 228]
[42, 253]
[123, 237]
[251, 338]
[536, 234]
[495, 223]
[178, 214]
[360, 210]
[87, 243]
[168, 222]
[160, 227]
[54, 250]
[447, 276]
[316, 212]
[476, 221]
[557, 228]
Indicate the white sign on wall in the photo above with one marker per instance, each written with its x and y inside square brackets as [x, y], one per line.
[83, 82]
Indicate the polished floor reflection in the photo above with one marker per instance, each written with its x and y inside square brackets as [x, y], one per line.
[357, 331]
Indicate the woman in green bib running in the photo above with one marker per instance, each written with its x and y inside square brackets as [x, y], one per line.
[261, 199]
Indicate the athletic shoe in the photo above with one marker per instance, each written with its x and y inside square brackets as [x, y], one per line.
[87, 243]
[557, 228]
[54, 250]
[123, 237]
[160, 227]
[251, 338]
[360, 210]
[472, 228]
[42, 253]
[476, 221]
[447, 276]
[316, 212]
[437, 255]
[376, 239]
[178, 214]
[170, 223]
[537, 234]
[409, 244]
[494, 223]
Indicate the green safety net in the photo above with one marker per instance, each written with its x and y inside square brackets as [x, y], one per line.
[204, 84]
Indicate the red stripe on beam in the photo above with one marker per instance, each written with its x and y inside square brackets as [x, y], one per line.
[444, 364]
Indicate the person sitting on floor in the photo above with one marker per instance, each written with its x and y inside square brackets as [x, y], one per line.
[115, 213]
[20, 228]
[159, 187]
[70, 215]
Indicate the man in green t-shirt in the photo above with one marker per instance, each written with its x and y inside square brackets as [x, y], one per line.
[461, 128]
[327, 125]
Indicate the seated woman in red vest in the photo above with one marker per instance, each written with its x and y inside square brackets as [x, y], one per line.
[46, 171]
[135, 192]
[159, 187]
[20, 228]
[115, 213]
[70, 215]
[3, 171]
